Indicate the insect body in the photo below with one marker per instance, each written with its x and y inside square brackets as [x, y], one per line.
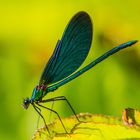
[69, 54]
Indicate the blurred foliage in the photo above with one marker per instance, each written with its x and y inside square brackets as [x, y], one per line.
[29, 31]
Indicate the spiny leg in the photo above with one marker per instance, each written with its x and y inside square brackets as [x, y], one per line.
[38, 116]
[35, 107]
[61, 98]
[55, 113]
[50, 111]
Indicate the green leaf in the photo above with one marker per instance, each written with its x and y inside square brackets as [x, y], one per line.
[91, 127]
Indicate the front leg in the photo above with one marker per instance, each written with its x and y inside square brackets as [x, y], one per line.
[55, 113]
[38, 111]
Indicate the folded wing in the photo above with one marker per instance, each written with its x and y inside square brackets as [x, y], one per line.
[70, 51]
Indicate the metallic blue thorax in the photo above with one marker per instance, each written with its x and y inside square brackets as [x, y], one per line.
[33, 94]
[38, 93]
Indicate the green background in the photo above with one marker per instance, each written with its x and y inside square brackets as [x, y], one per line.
[29, 31]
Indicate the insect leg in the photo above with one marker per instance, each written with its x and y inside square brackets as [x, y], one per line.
[59, 98]
[55, 113]
[36, 108]
[38, 116]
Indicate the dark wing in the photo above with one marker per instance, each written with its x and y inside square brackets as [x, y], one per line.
[70, 51]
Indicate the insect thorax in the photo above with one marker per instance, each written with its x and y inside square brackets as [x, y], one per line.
[38, 92]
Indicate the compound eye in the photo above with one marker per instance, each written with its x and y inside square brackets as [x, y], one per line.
[26, 103]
